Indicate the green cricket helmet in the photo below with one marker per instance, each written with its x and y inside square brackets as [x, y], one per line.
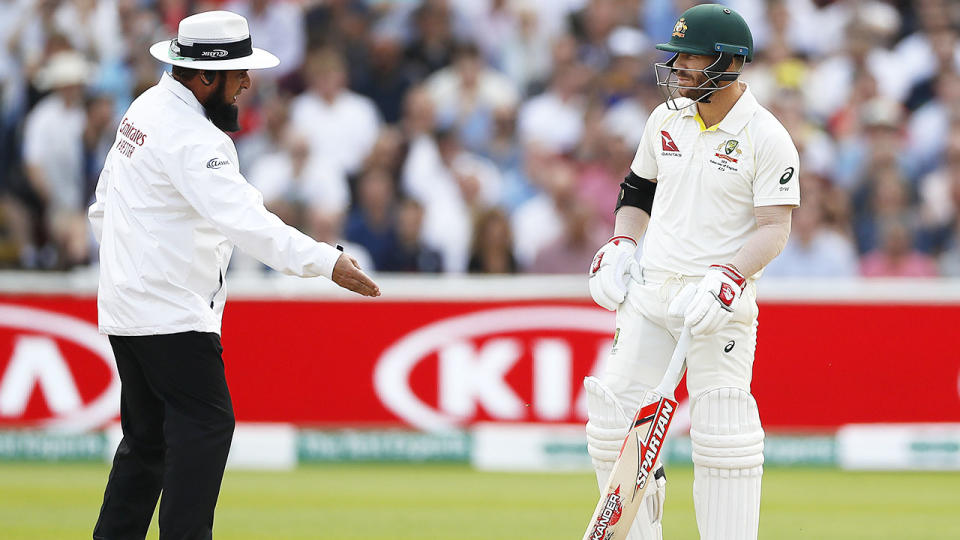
[708, 30]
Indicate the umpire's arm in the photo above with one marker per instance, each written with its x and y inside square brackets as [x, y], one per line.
[224, 197]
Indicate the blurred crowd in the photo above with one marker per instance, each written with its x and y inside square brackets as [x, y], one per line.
[490, 136]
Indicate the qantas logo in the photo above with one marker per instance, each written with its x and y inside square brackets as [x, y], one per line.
[56, 371]
[514, 364]
[668, 144]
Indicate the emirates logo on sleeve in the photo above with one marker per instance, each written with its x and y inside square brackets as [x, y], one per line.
[668, 144]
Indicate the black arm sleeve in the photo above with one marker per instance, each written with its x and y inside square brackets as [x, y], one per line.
[637, 192]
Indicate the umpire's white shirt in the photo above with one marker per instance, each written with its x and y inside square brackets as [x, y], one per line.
[709, 180]
[170, 205]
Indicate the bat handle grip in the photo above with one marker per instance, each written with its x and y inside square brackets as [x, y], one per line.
[671, 377]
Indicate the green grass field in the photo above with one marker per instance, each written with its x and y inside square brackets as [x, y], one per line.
[433, 502]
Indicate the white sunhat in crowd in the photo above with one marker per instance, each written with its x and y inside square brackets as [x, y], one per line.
[67, 68]
[214, 40]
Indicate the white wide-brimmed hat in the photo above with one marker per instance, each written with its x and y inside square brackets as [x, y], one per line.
[215, 40]
[66, 68]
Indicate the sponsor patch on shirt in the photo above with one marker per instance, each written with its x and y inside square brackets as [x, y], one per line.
[130, 137]
[216, 163]
[727, 155]
[669, 147]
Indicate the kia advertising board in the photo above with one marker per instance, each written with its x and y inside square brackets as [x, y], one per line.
[452, 353]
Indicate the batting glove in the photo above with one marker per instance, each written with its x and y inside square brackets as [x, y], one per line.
[678, 306]
[609, 270]
[715, 300]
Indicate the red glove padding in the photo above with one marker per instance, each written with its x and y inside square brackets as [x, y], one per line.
[715, 299]
[609, 270]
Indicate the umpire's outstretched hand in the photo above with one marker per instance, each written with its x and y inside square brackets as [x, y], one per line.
[347, 274]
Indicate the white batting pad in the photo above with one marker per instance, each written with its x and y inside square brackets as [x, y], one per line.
[728, 464]
[606, 428]
[606, 425]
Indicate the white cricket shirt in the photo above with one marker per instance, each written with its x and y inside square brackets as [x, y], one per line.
[709, 180]
[170, 205]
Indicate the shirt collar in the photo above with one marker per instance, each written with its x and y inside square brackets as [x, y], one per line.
[167, 82]
[738, 116]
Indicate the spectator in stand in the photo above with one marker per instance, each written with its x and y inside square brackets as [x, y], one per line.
[453, 185]
[950, 259]
[829, 84]
[388, 154]
[600, 176]
[410, 253]
[433, 43]
[342, 126]
[339, 24]
[880, 145]
[846, 124]
[93, 28]
[896, 256]
[554, 119]
[419, 115]
[492, 26]
[491, 251]
[99, 132]
[327, 226]
[524, 54]
[295, 183]
[884, 198]
[539, 221]
[268, 138]
[784, 30]
[582, 233]
[371, 222]
[592, 27]
[630, 62]
[53, 158]
[930, 126]
[813, 249]
[279, 27]
[931, 49]
[387, 80]
[940, 201]
[466, 94]
[817, 151]
[34, 35]
[506, 152]
[629, 89]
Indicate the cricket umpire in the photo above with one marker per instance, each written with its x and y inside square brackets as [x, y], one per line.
[170, 205]
[711, 191]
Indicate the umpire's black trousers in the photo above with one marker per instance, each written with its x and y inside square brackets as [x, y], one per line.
[177, 422]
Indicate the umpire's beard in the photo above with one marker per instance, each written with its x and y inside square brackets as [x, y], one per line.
[222, 113]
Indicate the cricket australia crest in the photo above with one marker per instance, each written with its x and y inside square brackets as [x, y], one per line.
[680, 29]
[727, 155]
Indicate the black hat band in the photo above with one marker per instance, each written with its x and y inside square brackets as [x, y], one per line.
[212, 51]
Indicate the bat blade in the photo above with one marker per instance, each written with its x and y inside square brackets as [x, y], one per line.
[620, 500]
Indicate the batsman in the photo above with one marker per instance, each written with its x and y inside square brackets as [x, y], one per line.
[710, 191]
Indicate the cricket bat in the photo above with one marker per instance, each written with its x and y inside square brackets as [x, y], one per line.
[633, 471]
